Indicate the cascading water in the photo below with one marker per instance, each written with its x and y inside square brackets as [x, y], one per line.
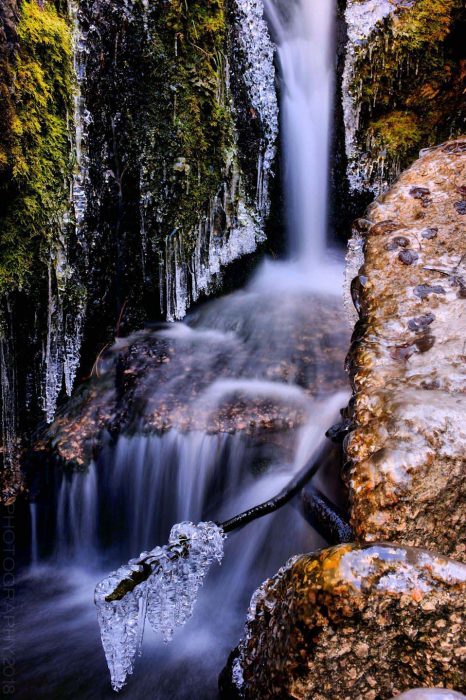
[218, 382]
[303, 31]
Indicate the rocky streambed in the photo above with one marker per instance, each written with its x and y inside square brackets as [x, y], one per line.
[371, 620]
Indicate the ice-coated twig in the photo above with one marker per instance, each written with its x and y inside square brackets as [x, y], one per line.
[161, 585]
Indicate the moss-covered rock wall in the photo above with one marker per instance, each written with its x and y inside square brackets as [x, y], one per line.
[403, 84]
[137, 143]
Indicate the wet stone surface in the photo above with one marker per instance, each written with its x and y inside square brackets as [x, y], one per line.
[365, 622]
[407, 452]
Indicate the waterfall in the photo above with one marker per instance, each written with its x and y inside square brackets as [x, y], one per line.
[227, 409]
[304, 34]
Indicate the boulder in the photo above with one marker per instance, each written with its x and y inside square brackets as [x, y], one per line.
[406, 471]
[361, 622]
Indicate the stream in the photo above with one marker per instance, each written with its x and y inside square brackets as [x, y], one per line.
[274, 348]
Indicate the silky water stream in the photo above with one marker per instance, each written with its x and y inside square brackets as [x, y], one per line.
[248, 387]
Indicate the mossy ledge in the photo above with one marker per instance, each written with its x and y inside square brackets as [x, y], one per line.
[35, 145]
[404, 82]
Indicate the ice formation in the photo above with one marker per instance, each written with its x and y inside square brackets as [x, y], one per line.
[64, 325]
[7, 390]
[264, 591]
[183, 281]
[354, 262]
[81, 122]
[361, 20]
[53, 353]
[167, 596]
[257, 49]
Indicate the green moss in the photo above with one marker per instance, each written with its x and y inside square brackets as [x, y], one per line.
[399, 132]
[37, 161]
[411, 70]
[189, 111]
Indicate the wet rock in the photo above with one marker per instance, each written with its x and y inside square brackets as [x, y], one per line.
[408, 257]
[423, 290]
[430, 233]
[407, 478]
[397, 242]
[419, 192]
[455, 147]
[421, 322]
[383, 227]
[361, 225]
[339, 431]
[355, 622]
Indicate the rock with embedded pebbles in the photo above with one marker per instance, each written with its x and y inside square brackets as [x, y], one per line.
[407, 450]
[361, 622]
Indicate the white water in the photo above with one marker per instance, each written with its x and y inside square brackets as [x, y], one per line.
[306, 55]
[256, 343]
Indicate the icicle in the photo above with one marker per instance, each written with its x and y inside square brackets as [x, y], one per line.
[8, 390]
[258, 51]
[53, 356]
[119, 627]
[72, 345]
[361, 19]
[167, 596]
[81, 121]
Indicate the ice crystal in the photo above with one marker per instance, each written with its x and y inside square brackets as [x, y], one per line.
[257, 51]
[81, 123]
[53, 355]
[354, 261]
[167, 597]
[64, 322]
[264, 595]
[361, 20]
[7, 389]
[184, 281]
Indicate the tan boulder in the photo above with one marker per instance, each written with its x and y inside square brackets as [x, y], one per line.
[361, 622]
[407, 452]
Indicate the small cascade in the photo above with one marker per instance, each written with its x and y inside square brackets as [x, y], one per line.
[219, 415]
[77, 516]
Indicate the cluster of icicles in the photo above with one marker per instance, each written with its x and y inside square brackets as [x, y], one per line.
[167, 597]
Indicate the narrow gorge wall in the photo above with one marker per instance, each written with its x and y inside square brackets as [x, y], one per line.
[135, 162]
[403, 84]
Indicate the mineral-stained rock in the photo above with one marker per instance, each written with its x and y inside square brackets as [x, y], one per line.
[407, 452]
[355, 622]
